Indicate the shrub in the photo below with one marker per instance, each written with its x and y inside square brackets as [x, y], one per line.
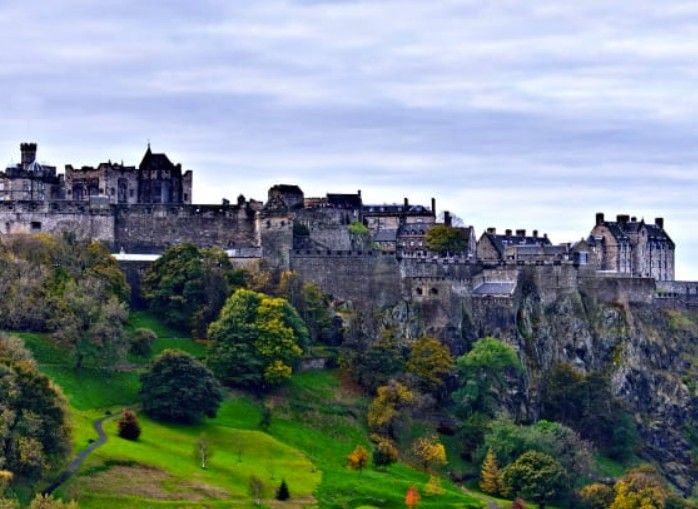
[358, 459]
[536, 476]
[141, 342]
[128, 425]
[385, 453]
[596, 496]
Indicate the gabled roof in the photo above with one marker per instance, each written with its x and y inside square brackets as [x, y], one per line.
[152, 161]
[344, 201]
[500, 242]
[621, 231]
[414, 228]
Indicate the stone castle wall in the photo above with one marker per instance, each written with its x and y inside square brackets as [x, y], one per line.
[152, 228]
[366, 278]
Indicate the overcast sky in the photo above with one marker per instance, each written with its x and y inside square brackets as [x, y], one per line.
[512, 114]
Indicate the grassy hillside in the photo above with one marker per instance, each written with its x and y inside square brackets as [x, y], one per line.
[316, 422]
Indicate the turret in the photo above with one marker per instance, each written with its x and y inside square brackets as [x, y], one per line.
[28, 151]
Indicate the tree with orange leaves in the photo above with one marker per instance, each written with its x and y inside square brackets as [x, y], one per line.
[412, 497]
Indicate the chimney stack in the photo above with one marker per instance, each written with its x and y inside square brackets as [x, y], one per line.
[599, 218]
[491, 230]
[448, 221]
[659, 221]
[28, 151]
[633, 219]
[520, 233]
[407, 203]
[507, 232]
[622, 218]
[433, 207]
[535, 234]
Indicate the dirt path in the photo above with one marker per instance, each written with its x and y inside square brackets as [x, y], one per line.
[78, 460]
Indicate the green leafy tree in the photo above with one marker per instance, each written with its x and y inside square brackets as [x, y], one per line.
[483, 373]
[585, 403]
[91, 324]
[508, 441]
[641, 488]
[445, 239]
[256, 340]
[431, 362]
[536, 476]
[34, 427]
[179, 388]
[375, 364]
[187, 286]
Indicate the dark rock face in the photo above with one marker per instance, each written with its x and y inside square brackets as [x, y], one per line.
[648, 353]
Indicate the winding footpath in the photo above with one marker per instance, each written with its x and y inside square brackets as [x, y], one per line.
[80, 458]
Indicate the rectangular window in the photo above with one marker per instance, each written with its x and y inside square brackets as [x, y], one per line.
[36, 226]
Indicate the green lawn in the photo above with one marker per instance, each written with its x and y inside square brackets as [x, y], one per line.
[315, 424]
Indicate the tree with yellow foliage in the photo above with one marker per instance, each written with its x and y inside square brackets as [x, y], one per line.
[430, 452]
[431, 362]
[358, 459]
[641, 488]
[433, 487]
[385, 407]
[490, 480]
[596, 496]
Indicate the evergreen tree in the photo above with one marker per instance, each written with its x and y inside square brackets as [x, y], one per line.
[282, 493]
[489, 475]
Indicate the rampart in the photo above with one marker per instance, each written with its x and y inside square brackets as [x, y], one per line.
[369, 278]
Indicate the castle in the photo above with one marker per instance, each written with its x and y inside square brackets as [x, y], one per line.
[141, 210]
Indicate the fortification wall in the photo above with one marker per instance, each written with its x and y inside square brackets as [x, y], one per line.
[451, 268]
[152, 228]
[620, 289]
[366, 278]
[77, 218]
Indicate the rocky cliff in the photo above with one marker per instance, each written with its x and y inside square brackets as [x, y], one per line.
[648, 351]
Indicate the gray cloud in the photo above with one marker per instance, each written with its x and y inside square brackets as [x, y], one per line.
[513, 114]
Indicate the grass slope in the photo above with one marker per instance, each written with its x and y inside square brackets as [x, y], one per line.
[316, 423]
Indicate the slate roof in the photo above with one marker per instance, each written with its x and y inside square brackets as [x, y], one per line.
[344, 201]
[389, 235]
[414, 229]
[153, 161]
[397, 209]
[495, 288]
[622, 230]
[500, 242]
[287, 188]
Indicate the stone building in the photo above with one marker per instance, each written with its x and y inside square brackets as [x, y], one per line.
[496, 248]
[391, 217]
[632, 247]
[30, 180]
[284, 197]
[156, 180]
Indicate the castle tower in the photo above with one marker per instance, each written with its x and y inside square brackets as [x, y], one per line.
[28, 151]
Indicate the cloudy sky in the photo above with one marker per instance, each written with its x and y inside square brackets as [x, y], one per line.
[513, 114]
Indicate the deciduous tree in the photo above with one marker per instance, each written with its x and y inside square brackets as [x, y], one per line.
[256, 340]
[535, 476]
[431, 362]
[430, 452]
[412, 497]
[445, 239]
[179, 388]
[390, 401]
[128, 425]
[358, 458]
